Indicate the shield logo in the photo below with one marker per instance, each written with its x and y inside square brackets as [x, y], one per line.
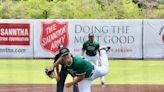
[160, 33]
[163, 37]
[54, 34]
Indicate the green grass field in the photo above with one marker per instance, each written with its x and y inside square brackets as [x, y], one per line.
[29, 71]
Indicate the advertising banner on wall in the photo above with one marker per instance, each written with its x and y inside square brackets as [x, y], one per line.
[41, 38]
[49, 34]
[154, 39]
[16, 39]
[124, 36]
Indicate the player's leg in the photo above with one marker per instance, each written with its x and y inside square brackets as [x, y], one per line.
[102, 79]
[60, 84]
[95, 60]
[92, 59]
[103, 60]
[103, 57]
[86, 57]
[102, 70]
[75, 88]
[85, 85]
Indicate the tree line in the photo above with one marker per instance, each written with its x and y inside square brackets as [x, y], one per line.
[79, 9]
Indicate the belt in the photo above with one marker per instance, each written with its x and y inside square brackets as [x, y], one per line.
[91, 55]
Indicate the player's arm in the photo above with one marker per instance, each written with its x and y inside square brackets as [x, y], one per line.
[76, 79]
[57, 70]
[79, 77]
[55, 60]
[56, 66]
[83, 50]
[57, 73]
[58, 61]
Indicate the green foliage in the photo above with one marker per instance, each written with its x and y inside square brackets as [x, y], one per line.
[17, 11]
[36, 8]
[123, 9]
[1, 9]
[160, 13]
[153, 14]
[127, 9]
[73, 9]
[6, 8]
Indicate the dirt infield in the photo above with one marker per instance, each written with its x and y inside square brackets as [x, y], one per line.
[95, 88]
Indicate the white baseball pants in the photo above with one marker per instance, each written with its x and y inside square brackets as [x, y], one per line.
[98, 71]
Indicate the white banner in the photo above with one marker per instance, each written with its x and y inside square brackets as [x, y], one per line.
[154, 39]
[124, 36]
[40, 38]
[16, 39]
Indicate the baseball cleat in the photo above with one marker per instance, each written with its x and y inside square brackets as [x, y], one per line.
[107, 48]
[102, 84]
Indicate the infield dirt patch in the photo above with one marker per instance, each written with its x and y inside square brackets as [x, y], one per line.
[95, 88]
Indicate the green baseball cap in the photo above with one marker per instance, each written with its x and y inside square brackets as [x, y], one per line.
[64, 51]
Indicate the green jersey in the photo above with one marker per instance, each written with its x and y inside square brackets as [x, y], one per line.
[79, 66]
[91, 48]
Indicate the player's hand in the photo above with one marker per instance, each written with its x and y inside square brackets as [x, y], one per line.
[68, 84]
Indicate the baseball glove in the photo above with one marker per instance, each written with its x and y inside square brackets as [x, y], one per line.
[50, 72]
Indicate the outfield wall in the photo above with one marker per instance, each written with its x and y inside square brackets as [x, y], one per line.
[129, 39]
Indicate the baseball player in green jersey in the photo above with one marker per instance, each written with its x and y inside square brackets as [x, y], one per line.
[91, 47]
[85, 71]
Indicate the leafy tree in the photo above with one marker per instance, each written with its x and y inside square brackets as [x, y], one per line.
[17, 10]
[75, 9]
[6, 8]
[123, 9]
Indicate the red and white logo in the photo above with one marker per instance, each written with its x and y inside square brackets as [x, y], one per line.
[162, 33]
[54, 34]
[14, 34]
